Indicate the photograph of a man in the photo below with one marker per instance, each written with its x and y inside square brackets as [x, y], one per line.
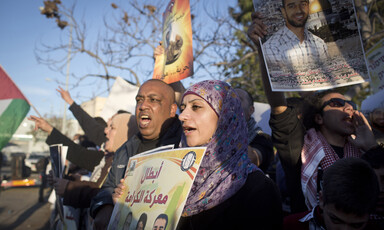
[160, 222]
[293, 44]
[309, 45]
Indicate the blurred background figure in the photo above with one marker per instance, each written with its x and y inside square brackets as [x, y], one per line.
[376, 118]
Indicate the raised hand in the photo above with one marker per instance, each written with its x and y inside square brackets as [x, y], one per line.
[159, 50]
[363, 137]
[42, 124]
[65, 95]
[257, 29]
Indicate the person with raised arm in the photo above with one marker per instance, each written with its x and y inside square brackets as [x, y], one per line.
[158, 126]
[332, 129]
[229, 192]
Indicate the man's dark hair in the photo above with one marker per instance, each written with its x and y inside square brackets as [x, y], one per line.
[121, 111]
[249, 97]
[283, 2]
[312, 106]
[351, 185]
[165, 217]
[374, 158]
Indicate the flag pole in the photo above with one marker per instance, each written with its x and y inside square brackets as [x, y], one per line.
[35, 110]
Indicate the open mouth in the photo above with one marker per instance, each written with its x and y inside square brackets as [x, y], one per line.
[144, 121]
[188, 130]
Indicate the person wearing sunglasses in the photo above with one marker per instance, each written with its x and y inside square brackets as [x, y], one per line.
[331, 129]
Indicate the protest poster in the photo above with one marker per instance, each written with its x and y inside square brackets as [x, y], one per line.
[316, 47]
[176, 63]
[58, 155]
[375, 59]
[157, 185]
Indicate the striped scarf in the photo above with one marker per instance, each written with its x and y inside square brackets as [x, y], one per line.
[317, 151]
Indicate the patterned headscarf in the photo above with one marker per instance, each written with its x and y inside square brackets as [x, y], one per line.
[226, 165]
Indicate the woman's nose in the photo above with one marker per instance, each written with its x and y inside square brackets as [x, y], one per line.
[183, 116]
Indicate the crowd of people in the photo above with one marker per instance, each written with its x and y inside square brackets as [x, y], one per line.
[321, 168]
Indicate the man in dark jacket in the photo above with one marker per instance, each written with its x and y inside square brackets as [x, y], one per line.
[93, 129]
[158, 126]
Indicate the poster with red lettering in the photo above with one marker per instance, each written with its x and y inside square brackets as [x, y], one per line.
[157, 185]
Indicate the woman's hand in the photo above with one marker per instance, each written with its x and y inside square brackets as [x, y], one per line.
[118, 191]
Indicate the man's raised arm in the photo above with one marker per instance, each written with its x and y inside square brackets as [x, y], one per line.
[255, 31]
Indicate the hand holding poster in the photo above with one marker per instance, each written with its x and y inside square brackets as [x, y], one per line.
[58, 154]
[311, 46]
[176, 62]
[157, 186]
[69, 216]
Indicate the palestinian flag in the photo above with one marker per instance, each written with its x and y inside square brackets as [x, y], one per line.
[13, 107]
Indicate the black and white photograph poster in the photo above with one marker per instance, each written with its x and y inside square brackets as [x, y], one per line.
[311, 44]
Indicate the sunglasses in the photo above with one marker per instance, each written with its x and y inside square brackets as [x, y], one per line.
[338, 102]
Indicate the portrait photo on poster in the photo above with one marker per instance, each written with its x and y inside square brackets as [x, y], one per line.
[311, 44]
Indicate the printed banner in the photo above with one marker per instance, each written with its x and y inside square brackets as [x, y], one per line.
[375, 59]
[157, 186]
[316, 47]
[177, 61]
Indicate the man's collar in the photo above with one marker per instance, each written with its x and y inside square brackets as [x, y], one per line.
[314, 216]
[293, 36]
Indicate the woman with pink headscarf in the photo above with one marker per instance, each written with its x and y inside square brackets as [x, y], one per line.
[229, 192]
